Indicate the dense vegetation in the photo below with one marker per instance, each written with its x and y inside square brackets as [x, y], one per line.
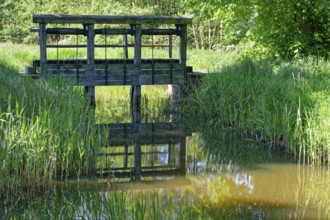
[285, 106]
[38, 143]
[280, 29]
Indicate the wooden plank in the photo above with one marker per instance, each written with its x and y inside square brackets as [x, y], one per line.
[160, 80]
[115, 67]
[113, 31]
[160, 32]
[129, 174]
[162, 72]
[130, 154]
[102, 19]
[118, 79]
[72, 31]
[102, 61]
[161, 66]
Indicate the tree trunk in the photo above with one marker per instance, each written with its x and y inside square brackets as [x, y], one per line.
[202, 36]
[210, 43]
[195, 31]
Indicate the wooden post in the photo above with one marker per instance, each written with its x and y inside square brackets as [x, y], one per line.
[169, 161]
[89, 88]
[125, 156]
[183, 49]
[137, 162]
[170, 46]
[125, 46]
[125, 52]
[136, 89]
[182, 157]
[43, 48]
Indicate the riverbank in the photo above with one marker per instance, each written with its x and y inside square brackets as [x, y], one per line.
[284, 106]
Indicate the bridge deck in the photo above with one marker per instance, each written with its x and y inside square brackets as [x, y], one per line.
[115, 71]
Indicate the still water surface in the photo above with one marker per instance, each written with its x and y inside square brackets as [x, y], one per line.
[169, 171]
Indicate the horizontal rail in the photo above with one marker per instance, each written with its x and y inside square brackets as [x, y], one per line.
[102, 19]
[106, 31]
[103, 45]
[36, 63]
[168, 167]
[129, 154]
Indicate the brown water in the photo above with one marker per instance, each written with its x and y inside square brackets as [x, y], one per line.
[215, 175]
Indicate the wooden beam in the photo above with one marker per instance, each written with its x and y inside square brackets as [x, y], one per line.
[102, 19]
[43, 48]
[183, 48]
[137, 161]
[136, 89]
[107, 31]
[36, 63]
[182, 157]
[90, 65]
[103, 45]
[72, 31]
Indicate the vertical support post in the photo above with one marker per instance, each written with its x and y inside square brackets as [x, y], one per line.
[125, 52]
[89, 88]
[125, 46]
[183, 49]
[136, 88]
[137, 161]
[125, 156]
[170, 46]
[170, 49]
[182, 156]
[43, 48]
[170, 146]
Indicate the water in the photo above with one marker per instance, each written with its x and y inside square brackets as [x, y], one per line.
[170, 171]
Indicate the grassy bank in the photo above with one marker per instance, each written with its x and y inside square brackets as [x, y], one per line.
[284, 106]
[46, 130]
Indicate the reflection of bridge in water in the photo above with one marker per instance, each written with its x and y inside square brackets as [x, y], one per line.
[138, 150]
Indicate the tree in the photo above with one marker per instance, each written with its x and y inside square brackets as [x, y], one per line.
[285, 28]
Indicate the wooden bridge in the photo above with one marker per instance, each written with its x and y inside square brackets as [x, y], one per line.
[134, 71]
[136, 150]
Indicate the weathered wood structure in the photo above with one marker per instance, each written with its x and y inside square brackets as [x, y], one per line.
[134, 71]
[135, 150]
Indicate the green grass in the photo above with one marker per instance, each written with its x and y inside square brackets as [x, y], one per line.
[47, 130]
[284, 106]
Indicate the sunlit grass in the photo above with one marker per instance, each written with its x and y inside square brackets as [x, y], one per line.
[285, 106]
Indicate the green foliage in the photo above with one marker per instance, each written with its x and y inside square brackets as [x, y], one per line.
[284, 29]
[16, 16]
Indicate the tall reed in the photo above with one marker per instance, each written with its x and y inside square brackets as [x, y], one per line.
[47, 130]
[286, 106]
